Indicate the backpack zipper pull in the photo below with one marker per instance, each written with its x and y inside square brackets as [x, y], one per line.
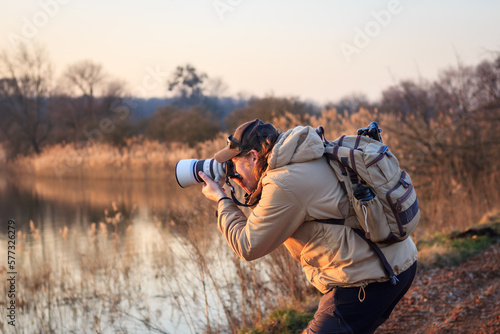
[398, 205]
[405, 183]
[365, 213]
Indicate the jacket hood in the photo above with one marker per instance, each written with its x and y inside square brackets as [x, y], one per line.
[299, 144]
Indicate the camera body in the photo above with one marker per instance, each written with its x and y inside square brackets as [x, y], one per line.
[372, 131]
[186, 171]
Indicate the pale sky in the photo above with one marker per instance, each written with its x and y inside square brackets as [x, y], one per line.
[316, 50]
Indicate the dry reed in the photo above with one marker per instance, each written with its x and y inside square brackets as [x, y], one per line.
[224, 294]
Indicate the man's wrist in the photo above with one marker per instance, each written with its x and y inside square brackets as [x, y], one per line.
[223, 198]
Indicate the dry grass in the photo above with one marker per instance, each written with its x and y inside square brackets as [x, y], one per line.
[434, 254]
[138, 159]
[124, 275]
[224, 293]
[454, 191]
[75, 280]
[456, 173]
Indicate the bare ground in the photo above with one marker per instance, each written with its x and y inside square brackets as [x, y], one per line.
[459, 299]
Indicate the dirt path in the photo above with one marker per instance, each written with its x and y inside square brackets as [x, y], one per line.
[461, 299]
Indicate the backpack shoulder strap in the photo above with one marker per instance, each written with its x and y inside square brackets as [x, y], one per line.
[373, 246]
[376, 249]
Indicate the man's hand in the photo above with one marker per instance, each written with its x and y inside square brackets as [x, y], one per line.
[211, 189]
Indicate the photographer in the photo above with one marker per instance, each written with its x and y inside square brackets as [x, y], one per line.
[291, 187]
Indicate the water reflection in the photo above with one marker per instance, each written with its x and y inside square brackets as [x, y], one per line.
[111, 256]
[86, 248]
[71, 202]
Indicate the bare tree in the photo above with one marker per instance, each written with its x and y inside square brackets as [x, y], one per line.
[114, 89]
[85, 76]
[74, 120]
[24, 89]
[488, 75]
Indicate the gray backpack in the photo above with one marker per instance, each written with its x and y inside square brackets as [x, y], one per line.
[382, 196]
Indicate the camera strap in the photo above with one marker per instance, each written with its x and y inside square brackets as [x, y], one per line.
[233, 196]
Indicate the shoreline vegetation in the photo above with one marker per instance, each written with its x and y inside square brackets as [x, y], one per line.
[444, 133]
[453, 163]
[453, 191]
[98, 290]
[436, 252]
[138, 159]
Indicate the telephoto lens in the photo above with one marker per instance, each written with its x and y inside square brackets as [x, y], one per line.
[186, 171]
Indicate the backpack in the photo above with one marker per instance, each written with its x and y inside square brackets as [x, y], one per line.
[381, 195]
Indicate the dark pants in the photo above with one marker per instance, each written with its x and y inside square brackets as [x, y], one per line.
[341, 311]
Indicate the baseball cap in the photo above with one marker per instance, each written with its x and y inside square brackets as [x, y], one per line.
[244, 138]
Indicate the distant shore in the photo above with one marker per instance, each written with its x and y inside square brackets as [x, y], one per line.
[140, 159]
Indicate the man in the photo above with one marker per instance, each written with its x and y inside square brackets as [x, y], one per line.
[291, 187]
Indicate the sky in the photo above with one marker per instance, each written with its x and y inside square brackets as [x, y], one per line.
[316, 50]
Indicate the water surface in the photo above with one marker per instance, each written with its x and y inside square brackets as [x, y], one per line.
[117, 256]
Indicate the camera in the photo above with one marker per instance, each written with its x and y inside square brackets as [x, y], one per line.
[372, 131]
[186, 171]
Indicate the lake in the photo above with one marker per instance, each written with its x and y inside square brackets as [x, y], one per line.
[112, 256]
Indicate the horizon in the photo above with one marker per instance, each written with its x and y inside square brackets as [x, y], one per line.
[317, 51]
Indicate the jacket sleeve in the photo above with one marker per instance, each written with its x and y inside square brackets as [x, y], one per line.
[275, 218]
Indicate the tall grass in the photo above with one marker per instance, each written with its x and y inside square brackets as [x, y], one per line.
[173, 274]
[207, 287]
[79, 280]
[139, 159]
[455, 169]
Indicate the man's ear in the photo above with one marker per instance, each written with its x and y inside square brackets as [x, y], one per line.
[254, 155]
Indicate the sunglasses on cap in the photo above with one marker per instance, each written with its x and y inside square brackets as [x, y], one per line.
[235, 144]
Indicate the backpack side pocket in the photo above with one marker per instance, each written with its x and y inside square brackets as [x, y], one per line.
[373, 219]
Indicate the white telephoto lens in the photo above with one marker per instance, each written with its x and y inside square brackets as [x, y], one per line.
[185, 172]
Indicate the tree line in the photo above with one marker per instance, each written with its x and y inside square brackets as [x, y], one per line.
[37, 109]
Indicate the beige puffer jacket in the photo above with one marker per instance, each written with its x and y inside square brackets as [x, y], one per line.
[299, 188]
